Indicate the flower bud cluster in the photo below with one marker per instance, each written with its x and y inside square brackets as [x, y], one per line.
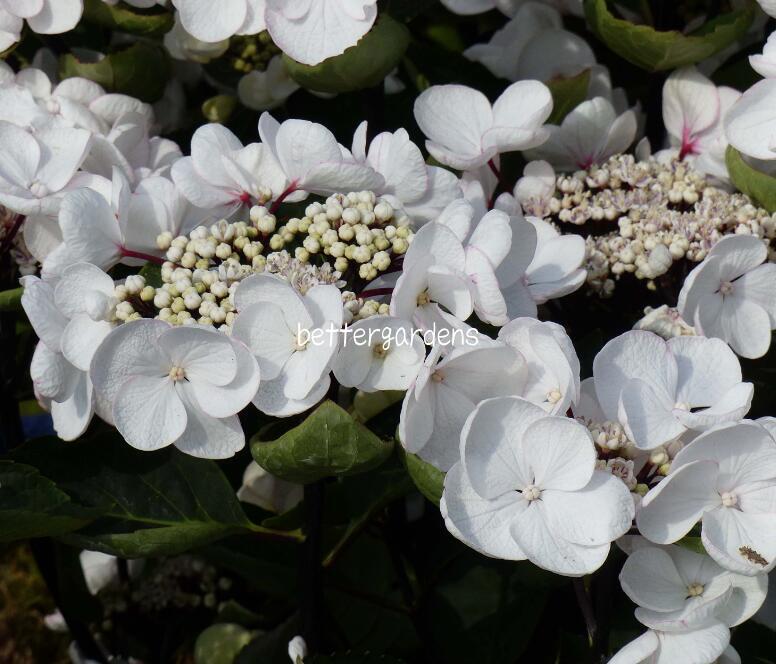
[359, 231]
[251, 52]
[618, 454]
[645, 216]
[357, 308]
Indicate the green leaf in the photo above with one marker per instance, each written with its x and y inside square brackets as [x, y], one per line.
[221, 643]
[219, 108]
[141, 70]
[126, 19]
[328, 443]
[152, 273]
[567, 94]
[660, 51]
[11, 300]
[692, 544]
[759, 186]
[151, 503]
[33, 506]
[364, 65]
[429, 479]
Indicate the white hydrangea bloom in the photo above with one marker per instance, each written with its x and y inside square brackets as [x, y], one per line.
[765, 63]
[422, 191]
[590, 134]
[730, 295]
[725, 478]
[293, 337]
[214, 22]
[553, 367]
[71, 320]
[445, 392]
[47, 17]
[709, 645]
[526, 487]
[465, 131]
[659, 389]
[379, 353]
[679, 590]
[184, 386]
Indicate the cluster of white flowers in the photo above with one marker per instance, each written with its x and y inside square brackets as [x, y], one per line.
[269, 251]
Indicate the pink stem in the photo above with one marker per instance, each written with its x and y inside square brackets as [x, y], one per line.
[128, 253]
[289, 190]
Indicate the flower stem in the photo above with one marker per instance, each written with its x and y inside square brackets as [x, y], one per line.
[312, 579]
[290, 189]
[586, 606]
[129, 253]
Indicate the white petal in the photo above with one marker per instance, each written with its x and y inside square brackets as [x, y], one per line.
[57, 16]
[647, 415]
[81, 339]
[696, 647]
[650, 578]
[272, 400]
[264, 329]
[209, 22]
[480, 523]
[559, 453]
[638, 651]
[52, 375]
[491, 442]
[39, 305]
[117, 359]
[671, 509]
[595, 515]
[72, 416]
[548, 550]
[209, 437]
[205, 355]
[148, 412]
[741, 542]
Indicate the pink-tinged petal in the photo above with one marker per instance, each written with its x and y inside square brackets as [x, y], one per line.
[690, 106]
[483, 524]
[491, 442]
[148, 412]
[650, 578]
[670, 510]
[743, 543]
[547, 549]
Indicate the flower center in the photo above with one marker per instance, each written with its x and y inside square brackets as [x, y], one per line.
[729, 499]
[177, 374]
[695, 590]
[52, 106]
[553, 396]
[726, 288]
[301, 340]
[379, 351]
[531, 493]
[437, 376]
[39, 190]
[423, 298]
